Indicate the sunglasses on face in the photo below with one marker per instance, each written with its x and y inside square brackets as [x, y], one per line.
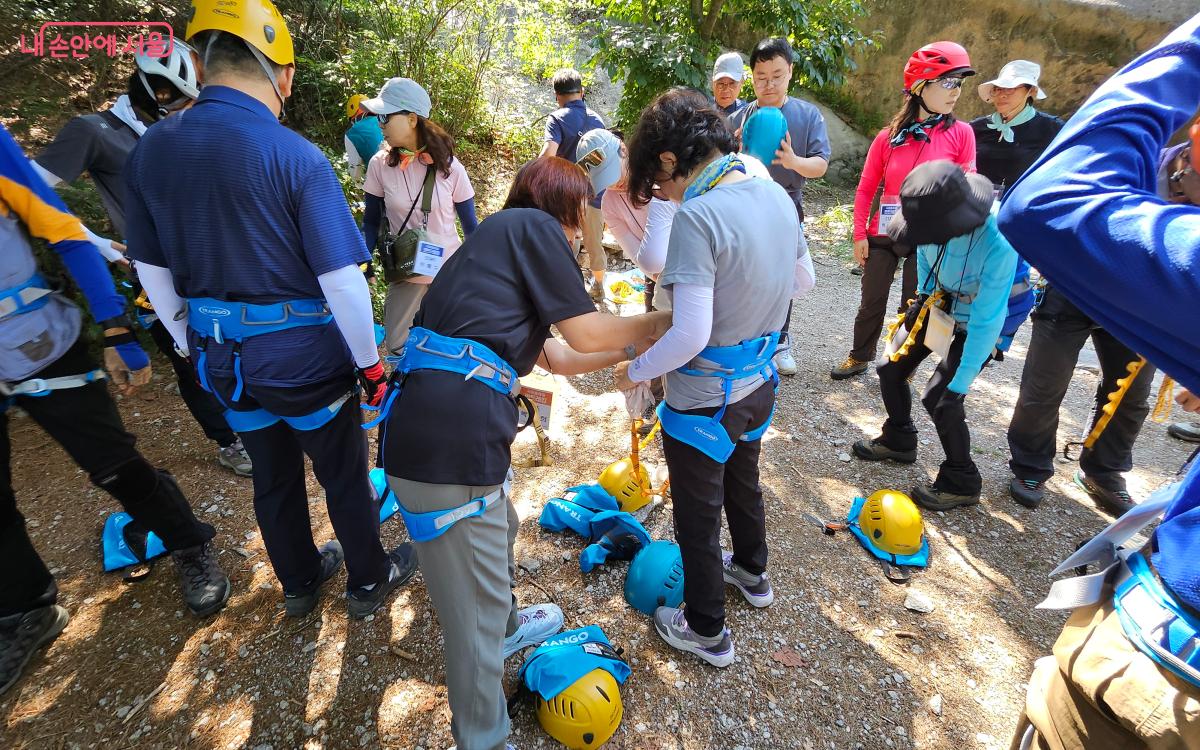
[591, 160]
[950, 84]
[383, 119]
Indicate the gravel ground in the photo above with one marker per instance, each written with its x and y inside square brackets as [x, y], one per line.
[837, 662]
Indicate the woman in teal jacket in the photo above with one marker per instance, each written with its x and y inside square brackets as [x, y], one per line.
[965, 271]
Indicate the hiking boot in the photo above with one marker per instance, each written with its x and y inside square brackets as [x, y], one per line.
[300, 603]
[928, 496]
[22, 634]
[535, 624]
[205, 586]
[875, 450]
[784, 361]
[235, 458]
[1115, 500]
[1027, 492]
[672, 626]
[366, 600]
[1185, 431]
[755, 589]
[848, 369]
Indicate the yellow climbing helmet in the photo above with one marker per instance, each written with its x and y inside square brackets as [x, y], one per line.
[585, 715]
[258, 22]
[892, 522]
[619, 481]
[353, 103]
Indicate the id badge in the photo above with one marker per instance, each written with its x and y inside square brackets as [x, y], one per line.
[887, 211]
[939, 331]
[430, 258]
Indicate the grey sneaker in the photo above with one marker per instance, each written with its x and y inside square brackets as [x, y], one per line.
[205, 586]
[535, 624]
[300, 603]
[364, 601]
[235, 458]
[21, 635]
[1188, 431]
[756, 589]
[671, 624]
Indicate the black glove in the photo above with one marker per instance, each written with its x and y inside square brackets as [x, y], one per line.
[949, 407]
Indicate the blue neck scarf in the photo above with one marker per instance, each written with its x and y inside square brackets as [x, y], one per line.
[712, 174]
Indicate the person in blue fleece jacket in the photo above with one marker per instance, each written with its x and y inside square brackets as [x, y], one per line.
[1088, 215]
[965, 271]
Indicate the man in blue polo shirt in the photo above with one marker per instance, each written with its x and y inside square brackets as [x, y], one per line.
[246, 247]
[1126, 670]
[564, 127]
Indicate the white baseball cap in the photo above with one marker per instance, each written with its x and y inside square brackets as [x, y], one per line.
[399, 95]
[729, 65]
[1013, 74]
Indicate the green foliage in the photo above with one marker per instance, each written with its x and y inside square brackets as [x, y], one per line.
[655, 44]
[543, 39]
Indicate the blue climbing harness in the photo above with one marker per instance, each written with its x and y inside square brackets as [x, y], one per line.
[223, 321]
[729, 363]
[27, 296]
[1155, 623]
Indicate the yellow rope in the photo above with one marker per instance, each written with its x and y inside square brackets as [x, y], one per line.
[933, 299]
[635, 463]
[1114, 400]
[1166, 398]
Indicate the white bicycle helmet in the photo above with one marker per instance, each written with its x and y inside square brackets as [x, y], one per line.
[176, 68]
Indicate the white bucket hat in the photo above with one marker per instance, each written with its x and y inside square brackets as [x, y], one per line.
[1013, 74]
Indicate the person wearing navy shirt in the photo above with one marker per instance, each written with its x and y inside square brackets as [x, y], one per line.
[564, 127]
[234, 219]
[1089, 216]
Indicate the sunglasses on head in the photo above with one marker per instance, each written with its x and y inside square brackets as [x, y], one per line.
[591, 160]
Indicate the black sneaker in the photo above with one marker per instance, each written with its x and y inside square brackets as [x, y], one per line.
[1027, 492]
[300, 603]
[874, 450]
[364, 601]
[928, 496]
[21, 635]
[1115, 500]
[205, 586]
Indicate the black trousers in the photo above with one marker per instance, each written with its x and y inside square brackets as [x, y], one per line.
[700, 489]
[878, 274]
[85, 422]
[958, 473]
[338, 451]
[208, 413]
[1059, 331]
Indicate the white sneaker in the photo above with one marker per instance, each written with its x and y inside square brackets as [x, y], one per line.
[535, 624]
[785, 362]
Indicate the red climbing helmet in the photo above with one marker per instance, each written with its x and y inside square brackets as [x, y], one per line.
[935, 61]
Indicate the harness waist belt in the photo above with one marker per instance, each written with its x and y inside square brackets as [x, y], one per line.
[24, 297]
[1155, 623]
[43, 386]
[257, 419]
[426, 350]
[224, 321]
[423, 527]
[729, 363]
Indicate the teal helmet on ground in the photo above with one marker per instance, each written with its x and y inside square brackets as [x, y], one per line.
[763, 132]
[655, 577]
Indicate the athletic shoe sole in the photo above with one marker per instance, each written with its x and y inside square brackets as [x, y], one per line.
[722, 659]
[60, 622]
[753, 599]
[301, 604]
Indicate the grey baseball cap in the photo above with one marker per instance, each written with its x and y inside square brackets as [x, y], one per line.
[729, 65]
[399, 95]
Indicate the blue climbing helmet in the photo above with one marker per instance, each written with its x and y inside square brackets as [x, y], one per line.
[655, 577]
[763, 132]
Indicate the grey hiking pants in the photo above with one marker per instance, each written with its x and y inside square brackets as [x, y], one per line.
[469, 572]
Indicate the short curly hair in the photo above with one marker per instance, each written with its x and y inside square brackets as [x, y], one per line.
[684, 122]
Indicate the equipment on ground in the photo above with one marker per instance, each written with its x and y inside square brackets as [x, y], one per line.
[655, 577]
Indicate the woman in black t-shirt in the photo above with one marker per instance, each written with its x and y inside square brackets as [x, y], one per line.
[1009, 140]
[447, 441]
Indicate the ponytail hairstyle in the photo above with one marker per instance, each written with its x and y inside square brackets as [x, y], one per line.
[432, 140]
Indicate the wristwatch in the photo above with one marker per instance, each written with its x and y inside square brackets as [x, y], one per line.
[631, 352]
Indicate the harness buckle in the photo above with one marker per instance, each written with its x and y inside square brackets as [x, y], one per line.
[39, 387]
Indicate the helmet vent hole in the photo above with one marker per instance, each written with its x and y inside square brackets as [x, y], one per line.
[877, 533]
[588, 737]
[600, 690]
[269, 33]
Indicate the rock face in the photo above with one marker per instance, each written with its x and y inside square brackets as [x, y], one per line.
[848, 145]
[1078, 43]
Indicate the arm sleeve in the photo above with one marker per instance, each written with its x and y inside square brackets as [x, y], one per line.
[691, 327]
[466, 215]
[72, 151]
[652, 253]
[372, 218]
[24, 193]
[923, 268]
[806, 275]
[353, 160]
[349, 300]
[1088, 217]
[49, 177]
[868, 184]
[160, 290]
[328, 233]
[988, 310]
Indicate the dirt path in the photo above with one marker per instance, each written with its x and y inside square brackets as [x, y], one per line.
[132, 669]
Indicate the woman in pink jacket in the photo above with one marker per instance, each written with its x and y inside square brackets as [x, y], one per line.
[923, 130]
